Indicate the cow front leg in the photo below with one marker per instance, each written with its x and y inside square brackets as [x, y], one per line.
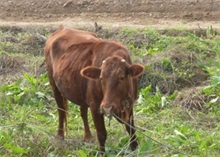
[100, 130]
[84, 115]
[133, 138]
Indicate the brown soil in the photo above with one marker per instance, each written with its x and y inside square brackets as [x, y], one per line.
[131, 13]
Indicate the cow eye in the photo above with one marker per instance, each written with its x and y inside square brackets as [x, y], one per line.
[122, 77]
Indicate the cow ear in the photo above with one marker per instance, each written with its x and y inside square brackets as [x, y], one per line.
[91, 72]
[136, 70]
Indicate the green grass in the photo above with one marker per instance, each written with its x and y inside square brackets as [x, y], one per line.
[29, 119]
[28, 126]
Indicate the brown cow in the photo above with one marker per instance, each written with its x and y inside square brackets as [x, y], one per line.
[94, 73]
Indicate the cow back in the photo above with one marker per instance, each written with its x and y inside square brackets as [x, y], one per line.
[67, 51]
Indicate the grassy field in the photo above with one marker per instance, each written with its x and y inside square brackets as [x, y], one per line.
[177, 113]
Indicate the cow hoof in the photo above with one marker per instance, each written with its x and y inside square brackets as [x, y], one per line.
[134, 145]
[60, 137]
[88, 139]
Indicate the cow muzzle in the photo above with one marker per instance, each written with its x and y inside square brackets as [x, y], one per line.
[106, 109]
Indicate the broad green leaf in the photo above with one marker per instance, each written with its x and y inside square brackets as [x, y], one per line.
[15, 149]
[180, 134]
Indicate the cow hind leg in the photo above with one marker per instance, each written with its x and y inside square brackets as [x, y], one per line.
[130, 129]
[62, 112]
[84, 115]
[61, 104]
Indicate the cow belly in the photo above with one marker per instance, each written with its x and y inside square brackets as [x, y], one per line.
[72, 88]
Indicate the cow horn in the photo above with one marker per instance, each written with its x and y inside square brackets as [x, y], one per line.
[122, 60]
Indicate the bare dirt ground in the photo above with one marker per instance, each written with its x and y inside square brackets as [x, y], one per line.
[158, 14]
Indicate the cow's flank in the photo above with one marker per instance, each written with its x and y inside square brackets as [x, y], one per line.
[95, 73]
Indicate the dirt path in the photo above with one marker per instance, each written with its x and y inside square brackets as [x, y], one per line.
[159, 14]
[80, 22]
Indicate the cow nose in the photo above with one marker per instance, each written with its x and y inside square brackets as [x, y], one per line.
[107, 110]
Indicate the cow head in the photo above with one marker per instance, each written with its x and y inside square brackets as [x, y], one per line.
[116, 77]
